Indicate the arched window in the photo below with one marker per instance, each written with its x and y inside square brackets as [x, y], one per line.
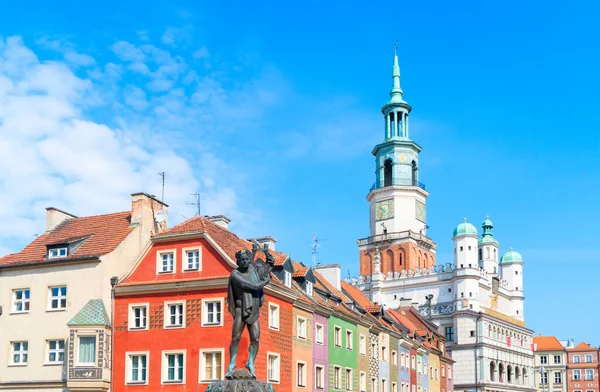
[509, 374]
[480, 255]
[400, 260]
[492, 371]
[414, 173]
[495, 255]
[387, 173]
[518, 380]
[501, 372]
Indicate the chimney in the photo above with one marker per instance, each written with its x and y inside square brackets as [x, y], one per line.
[332, 273]
[54, 217]
[149, 213]
[268, 241]
[220, 220]
[405, 302]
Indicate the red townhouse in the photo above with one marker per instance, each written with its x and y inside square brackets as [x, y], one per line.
[582, 368]
[172, 326]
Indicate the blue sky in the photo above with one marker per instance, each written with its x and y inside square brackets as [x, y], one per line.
[271, 112]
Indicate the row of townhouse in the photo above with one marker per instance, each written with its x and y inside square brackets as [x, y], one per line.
[563, 366]
[120, 302]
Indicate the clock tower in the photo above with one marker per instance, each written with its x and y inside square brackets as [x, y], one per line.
[398, 210]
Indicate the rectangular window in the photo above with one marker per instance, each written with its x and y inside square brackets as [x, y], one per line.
[174, 315]
[57, 298]
[273, 316]
[337, 336]
[384, 385]
[173, 367]
[576, 359]
[273, 367]
[138, 317]
[309, 288]
[374, 350]
[544, 359]
[576, 375]
[167, 260]
[362, 345]
[362, 382]
[383, 353]
[57, 252]
[589, 374]
[137, 368]
[443, 371]
[20, 301]
[412, 362]
[287, 278]
[449, 334]
[301, 374]
[319, 333]
[449, 373]
[19, 353]
[588, 358]
[394, 358]
[212, 312]
[557, 359]
[301, 327]
[349, 340]
[319, 377]
[348, 379]
[211, 366]
[87, 351]
[337, 377]
[56, 351]
[395, 387]
[557, 377]
[192, 260]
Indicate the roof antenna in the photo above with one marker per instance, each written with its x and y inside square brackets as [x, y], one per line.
[162, 195]
[196, 203]
[314, 247]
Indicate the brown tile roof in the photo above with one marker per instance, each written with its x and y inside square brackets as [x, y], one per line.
[400, 316]
[299, 270]
[101, 234]
[547, 343]
[583, 346]
[229, 242]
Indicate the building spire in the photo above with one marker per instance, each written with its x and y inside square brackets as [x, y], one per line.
[396, 93]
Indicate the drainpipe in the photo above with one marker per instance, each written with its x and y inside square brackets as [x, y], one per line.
[113, 282]
[476, 350]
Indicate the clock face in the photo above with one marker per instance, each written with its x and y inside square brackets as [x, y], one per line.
[384, 209]
[421, 213]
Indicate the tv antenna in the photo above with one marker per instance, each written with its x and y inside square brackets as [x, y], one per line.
[196, 203]
[314, 247]
[162, 195]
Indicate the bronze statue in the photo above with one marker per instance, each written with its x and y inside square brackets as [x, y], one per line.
[245, 297]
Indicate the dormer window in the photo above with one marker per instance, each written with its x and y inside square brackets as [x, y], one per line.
[55, 253]
[287, 278]
[309, 288]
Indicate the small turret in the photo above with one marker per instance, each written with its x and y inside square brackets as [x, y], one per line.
[488, 248]
[511, 265]
[465, 245]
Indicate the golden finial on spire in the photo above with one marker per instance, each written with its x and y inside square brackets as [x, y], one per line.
[487, 217]
[511, 249]
[465, 219]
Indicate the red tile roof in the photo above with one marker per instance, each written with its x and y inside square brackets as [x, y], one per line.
[546, 343]
[299, 270]
[229, 242]
[583, 346]
[101, 234]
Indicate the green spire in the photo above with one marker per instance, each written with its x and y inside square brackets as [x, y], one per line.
[396, 93]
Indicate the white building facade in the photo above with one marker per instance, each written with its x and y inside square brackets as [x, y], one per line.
[477, 300]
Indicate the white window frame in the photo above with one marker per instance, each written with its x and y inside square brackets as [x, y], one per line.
[205, 303]
[309, 288]
[287, 278]
[384, 385]
[57, 253]
[349, 340]
[586, 374]
[362, 382]
[362, 344]
[559, 360]
[129, 367]
[59, 298]
[56, 351]
[394, 358]
[319, 333]
[202, 369]
[544, 359]
[395, 387]
[167, 314]
[301, 327]
[576, 359]
[349, 381]
[85, 364]
[384, 353]
[576, 374]
[274, 320]
[24, 302]
[275, 372]
[301, 381]
[21, 352]
[337, 336]
[185, 259]
[558, 377]
[159, 261]
[320, 381]
[591, 358]
[337, 378]
[132, 317]
[165, 366]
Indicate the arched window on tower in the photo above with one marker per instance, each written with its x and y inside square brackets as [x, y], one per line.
[414, 173]
[387, 173]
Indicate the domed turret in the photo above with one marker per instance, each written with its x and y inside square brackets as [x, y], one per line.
[465, 245]
[464, 229]
[488, 248]
[487, 237]
[511, 257]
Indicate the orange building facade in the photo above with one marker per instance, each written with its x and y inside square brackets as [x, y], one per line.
[582, 368]
[172, 326]
[396, 257]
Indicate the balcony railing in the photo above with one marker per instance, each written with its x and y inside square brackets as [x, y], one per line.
[398, 235]
[400, 182]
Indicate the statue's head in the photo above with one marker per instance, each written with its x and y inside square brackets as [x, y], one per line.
[243, 258]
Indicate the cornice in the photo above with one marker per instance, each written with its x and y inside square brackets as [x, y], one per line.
[171, 286]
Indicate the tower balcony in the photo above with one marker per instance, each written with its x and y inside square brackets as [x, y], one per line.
[400, 182]
[421, 239]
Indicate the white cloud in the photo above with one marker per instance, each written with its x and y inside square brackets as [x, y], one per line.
[127, 51]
